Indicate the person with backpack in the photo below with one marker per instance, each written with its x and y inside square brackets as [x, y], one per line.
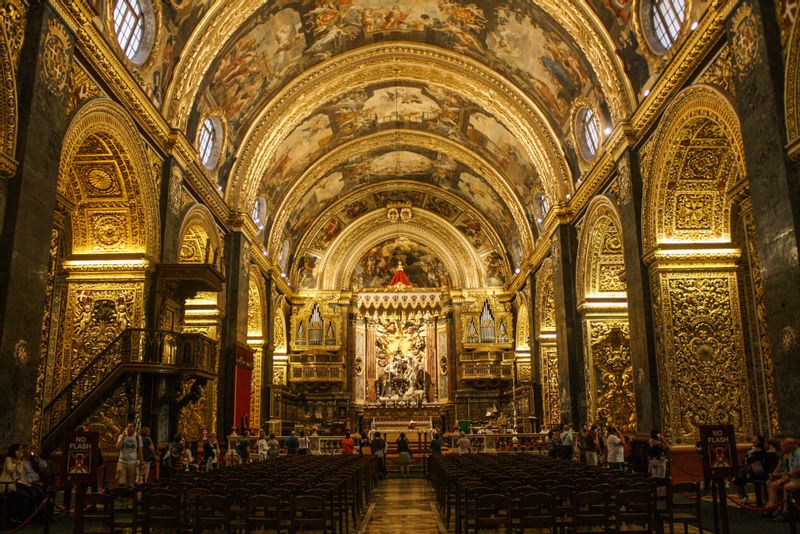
[292, 443]
[148, 455]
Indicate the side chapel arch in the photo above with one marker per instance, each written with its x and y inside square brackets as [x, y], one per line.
[546, 343]
[603, 305]
[691, 168]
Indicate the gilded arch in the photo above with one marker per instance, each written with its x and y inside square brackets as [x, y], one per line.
[104, 176]
[8, 108]
[697, 157]
[459, 258]
[255, 339]
[200, 240]
[791, 95]
[601, 261]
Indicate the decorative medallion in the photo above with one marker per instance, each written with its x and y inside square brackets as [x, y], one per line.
[108, 230]
[788, 339]
[100, 180]
[55, 57]
[175, 183]
[746, 40]
[22, 352]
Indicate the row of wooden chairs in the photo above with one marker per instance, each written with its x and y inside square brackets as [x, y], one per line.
[328, 492]
[578, 494]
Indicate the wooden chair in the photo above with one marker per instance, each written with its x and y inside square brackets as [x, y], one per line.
[162, 510]
[492, 511]
[634, 511]
[309, 512]
[211, 512]
[592, 512]
[127, 513]
[683, 506]
[94, 514]
[536, 510]
[263, 514]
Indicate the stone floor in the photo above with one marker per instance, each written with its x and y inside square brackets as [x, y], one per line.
[402, 505]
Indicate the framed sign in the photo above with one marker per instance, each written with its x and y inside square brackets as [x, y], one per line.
[718, 447]
[80, 454]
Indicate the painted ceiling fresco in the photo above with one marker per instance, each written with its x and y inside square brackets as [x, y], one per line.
[423, 108]
[377, 267]
[371, 169]
[282, 39]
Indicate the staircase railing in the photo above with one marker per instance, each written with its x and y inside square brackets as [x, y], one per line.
[133, 349]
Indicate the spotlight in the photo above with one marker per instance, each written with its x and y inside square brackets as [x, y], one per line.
[608, 130]
[693, 27]
[283, 275]
[539, 220]
[516, 271]
[219, 188]
[646, 92]
[264, 252]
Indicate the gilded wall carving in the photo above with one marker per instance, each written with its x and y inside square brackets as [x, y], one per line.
[747, 40]
[791, 95]
[194, 416]
[279, 375]
[82, 88]
[100, 312]
[255, 309]
[545, 319]
[550, 385]
[701, 353]
[611, 374]
[720, 71]
[279, 333]
[602, 271]
[12, 16]
[110, 419]
[194, 245]
[523, 327]
[696, 158]
[255, 387]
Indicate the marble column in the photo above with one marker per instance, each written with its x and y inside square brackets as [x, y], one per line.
[775, 191]
[640, 307]
[30, 201]
[234, 326]
[568, 325]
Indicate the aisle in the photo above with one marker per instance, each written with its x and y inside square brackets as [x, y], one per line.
[402, 505]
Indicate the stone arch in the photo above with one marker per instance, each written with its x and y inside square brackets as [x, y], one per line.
[695, 160]
[200, 241]
[105, 180]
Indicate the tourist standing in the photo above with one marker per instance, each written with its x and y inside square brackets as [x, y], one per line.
[591, 445]
[273, 447]
[436, 445]
[129, 446]
[404, 455]
[463, 444]
[616, 450]
[348, 444]
[657, 450]
[263, 448]
[553, 445]
[378, 447]
[305, 444]
[567, 438]
[148, 455]
[211, 452]
[292, 443]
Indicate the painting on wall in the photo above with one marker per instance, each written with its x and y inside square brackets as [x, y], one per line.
[401, 358]
[495, 269]
[307, 271]
[377, 267]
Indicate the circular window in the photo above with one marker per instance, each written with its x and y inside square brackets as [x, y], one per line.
[662, 21]
[134, 24]
[209, 142]
[588, 132]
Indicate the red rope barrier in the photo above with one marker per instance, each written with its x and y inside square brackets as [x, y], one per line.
[30, 517]
[753, 508]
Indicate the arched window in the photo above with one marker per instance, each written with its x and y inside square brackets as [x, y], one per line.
[667, 17]
[587, 132]
[207, 143]
[259, 213]
[129, 26]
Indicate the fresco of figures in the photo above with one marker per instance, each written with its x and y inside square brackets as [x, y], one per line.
[377, 267]
[400, 354]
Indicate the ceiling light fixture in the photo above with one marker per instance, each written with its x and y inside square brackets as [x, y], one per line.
[694, 25]
[608, 130]
[646, 92]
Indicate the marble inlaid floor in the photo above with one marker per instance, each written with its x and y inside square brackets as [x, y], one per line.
[402, 505]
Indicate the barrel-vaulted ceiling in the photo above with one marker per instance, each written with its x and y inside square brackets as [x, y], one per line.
[332, 109]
